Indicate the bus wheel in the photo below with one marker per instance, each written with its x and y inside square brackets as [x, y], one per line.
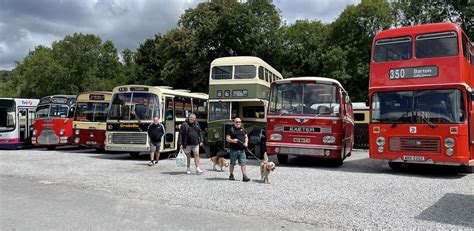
[468, 169]
[282, 159]
[51, 147]
[395, 165]
[134, 155]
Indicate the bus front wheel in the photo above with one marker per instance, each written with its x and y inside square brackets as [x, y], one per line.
[468, 169]
[282, 159]
[134, 155]
[51, 147]
[395, 165]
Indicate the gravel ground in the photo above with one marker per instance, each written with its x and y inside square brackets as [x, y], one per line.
[361, 194]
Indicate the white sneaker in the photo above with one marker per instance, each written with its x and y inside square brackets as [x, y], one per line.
[198, 170]
[189, 171]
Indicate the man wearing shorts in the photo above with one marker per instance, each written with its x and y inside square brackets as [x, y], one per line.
[190, 138]
[156, 130]
[238, 140]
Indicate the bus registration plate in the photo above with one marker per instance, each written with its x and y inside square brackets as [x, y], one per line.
[91, 143]
[414, 158]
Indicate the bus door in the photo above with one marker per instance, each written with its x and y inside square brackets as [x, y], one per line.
[23, 125]
[170, 122]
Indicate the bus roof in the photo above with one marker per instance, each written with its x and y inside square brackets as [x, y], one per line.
[70, 99]
[315, 79]
[23, 101]
[160, 90]
[418, 29]
[243, 60]
[360, 106]
[89, 96]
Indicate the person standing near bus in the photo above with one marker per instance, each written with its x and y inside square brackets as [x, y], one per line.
[190, 138]
[238, 140]
[156, 130]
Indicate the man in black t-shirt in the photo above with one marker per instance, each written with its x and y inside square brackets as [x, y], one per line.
[237, 138]
[190, 138]
[156, 130]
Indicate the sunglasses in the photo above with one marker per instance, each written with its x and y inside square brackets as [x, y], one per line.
[237, 122]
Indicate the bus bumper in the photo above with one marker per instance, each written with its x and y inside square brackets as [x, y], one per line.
[316, 150]
[127, 148]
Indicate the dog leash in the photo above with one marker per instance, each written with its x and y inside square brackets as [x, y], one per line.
[248, 150]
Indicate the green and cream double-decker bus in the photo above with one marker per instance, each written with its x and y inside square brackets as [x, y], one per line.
[239, 86]
[132, 110]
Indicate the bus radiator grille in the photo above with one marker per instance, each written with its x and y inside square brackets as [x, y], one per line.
[302, 151]
[415, 144]
[48, 137]
[129, 138]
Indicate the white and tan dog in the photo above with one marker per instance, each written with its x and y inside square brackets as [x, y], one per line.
[219, 161]
[265, 168]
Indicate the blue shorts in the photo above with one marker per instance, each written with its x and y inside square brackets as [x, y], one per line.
[238, 155]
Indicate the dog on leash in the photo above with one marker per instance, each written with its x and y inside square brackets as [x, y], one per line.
[219, 161]
[265, 168]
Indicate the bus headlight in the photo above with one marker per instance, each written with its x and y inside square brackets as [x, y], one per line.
[380, 141]
[449, 151]
[329, 139]
[109, 138]
[277, 150]
[449, 142]
[76, 131]
[34, 132]
[61, 132]
[380, 149]
[76, 140]
[217, 135]
[275, 136]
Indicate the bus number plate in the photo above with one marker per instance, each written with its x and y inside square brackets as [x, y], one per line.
[91, 143]
[301, 140]
[414, 158]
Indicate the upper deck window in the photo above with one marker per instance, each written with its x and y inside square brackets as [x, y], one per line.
[393, 49]
[436, 45]
[245, 72]
[222, 72]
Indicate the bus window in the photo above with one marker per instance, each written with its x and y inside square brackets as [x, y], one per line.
[42, 111]
[199, 108]
[253, 112]
[267, 75]
[7, 115]
[392, 49]
[222, 72]
[58, 110]
[436, 45]
[182, 107]
[235, 110]
[245, 72]
[261, 73]
[465, 48]
[145, 106]
[219, 111]
[359, 116]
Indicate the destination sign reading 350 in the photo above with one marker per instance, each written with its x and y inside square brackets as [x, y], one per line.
[413, 72]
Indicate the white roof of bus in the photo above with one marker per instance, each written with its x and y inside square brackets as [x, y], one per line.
[34, 102]
[317, 79]
[359, 106]
[243, 60]
[167, 90]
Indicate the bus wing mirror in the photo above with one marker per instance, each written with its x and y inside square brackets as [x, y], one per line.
[347, 99]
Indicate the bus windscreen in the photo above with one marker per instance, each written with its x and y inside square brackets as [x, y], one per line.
[305, 99]
[7, 115]
[92, 112]
[427, 106]
[134, 106]
[392, 49]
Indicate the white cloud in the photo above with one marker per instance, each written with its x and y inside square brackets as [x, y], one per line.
[25, 24]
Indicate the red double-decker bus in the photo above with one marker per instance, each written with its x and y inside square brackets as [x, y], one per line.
[421, 80]
[52, 126]
[309, 116]
[90, 119]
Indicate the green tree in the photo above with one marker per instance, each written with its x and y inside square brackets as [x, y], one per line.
[414, 12]
[350, 41]
[74, 64]
[149, 64]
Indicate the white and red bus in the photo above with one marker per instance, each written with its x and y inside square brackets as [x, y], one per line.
[309, 116]
[90, 119]
[53, 123]
[421, 95]
[16, 117]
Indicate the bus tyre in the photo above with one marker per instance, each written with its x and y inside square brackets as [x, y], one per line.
[134, 155]
[468, 169]
[282, 159]
[395, 165]
[51, 147]
[338, 162]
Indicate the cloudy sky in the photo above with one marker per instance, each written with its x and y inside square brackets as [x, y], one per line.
[25, 24]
